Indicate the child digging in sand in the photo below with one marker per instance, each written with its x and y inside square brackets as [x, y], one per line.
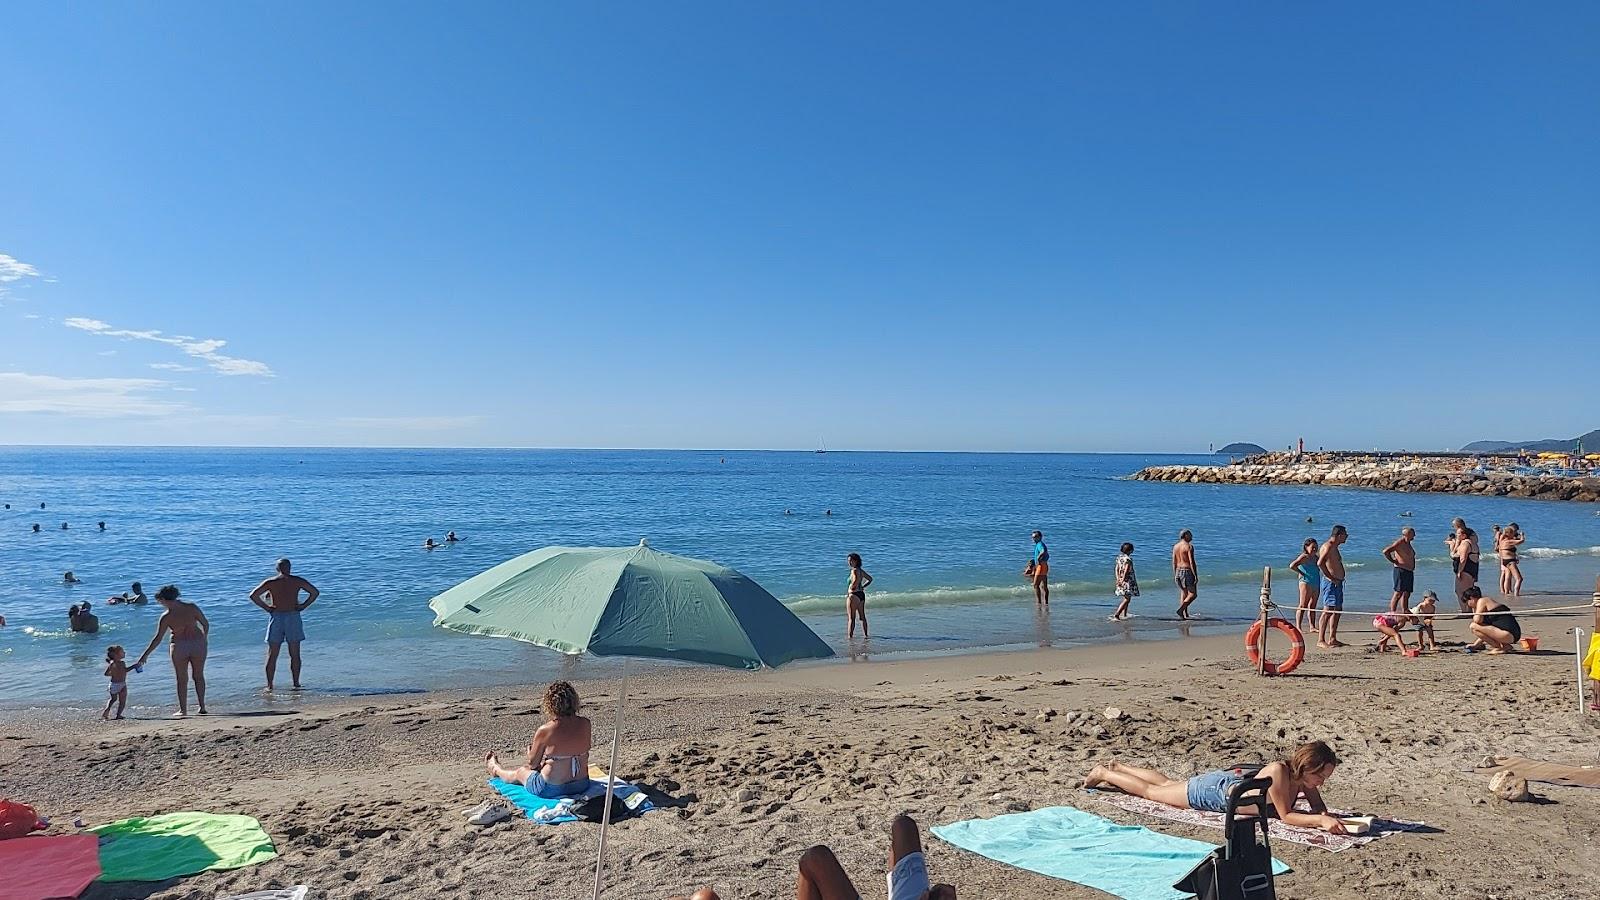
[1422, 614]
[117, 670]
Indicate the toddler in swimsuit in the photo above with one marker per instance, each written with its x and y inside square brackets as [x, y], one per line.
[1422, 614]
[117, 670]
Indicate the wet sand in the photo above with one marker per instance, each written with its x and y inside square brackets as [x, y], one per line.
[364, 797]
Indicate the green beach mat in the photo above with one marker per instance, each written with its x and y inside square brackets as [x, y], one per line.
[1125, 861]
[156, 848]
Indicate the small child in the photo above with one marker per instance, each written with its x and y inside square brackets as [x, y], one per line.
[117, 671]
[1392, 626]
[1127, 582]
[1422, 614]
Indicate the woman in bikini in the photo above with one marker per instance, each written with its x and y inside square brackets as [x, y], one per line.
[189, 629]
[1302, 774]
[1506, 542]
[558, 757]
[1305, 566]
[855, 602]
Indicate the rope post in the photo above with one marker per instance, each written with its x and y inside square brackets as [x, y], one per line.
[1266, 606]
[1577, 639]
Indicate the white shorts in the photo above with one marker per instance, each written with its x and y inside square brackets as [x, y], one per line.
[909, 880]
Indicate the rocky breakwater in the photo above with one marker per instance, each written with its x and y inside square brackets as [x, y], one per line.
[1384, 475]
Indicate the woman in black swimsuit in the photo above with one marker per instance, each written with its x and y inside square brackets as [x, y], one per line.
[1492, 623]
[855, 603]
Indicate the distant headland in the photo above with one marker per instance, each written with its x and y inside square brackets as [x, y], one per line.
[1589, 443]
[1241, 449]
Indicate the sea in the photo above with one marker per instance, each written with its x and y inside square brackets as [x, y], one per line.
[945, 535]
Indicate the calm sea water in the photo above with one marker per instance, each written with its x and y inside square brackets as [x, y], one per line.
[945, 535]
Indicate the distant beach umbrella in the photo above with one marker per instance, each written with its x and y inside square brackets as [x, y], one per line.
[628, 601]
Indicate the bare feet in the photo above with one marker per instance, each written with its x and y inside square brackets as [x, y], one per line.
[117, 716]
[1324, 645]
[491, 761]
[203, 711]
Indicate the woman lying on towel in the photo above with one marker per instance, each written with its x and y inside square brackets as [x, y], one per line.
[558, 757]
[1300, 774]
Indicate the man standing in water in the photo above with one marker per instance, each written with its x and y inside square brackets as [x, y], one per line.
[1185, 572]
[1041, 570]
[1331, 565]
[283, 592]
[1404, 558]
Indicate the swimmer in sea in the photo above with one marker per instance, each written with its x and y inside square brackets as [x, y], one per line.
[103, 528]
[450, 538]
[36, 528]
[429, 544]
[70, 578]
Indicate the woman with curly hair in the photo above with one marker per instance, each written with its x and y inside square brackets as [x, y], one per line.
[558, 757]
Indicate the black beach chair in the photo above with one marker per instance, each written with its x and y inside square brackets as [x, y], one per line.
[1241, 869]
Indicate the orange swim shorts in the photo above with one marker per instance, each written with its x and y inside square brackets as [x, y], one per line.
[1040, 570]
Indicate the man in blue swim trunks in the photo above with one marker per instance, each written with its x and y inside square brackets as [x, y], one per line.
[282, 603]
[1331, 566]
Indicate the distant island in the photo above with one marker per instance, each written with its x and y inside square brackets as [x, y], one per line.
[1241, 450]
[1590, 442]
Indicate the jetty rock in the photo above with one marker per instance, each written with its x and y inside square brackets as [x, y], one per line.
[1386, 472]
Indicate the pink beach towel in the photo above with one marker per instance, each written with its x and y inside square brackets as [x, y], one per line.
[46, 868]
[1294, 834]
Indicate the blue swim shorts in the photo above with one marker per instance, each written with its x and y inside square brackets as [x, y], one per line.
[285, 626]
[538, 787]
[1209, 792]
[1332, 594]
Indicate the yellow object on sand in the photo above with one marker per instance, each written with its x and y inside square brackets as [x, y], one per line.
[1591, 660]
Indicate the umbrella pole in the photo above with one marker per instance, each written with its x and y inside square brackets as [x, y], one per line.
[611, 782]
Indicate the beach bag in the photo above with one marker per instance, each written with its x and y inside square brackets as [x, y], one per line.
[1241, 869]
[593, 808]
[18, 819]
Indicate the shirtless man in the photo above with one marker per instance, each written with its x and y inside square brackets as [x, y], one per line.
[1403, 556]
[189, 629]
[1184, 572]
[284, 626]
[1331, 566]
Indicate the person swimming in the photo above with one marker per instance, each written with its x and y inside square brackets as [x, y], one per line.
[450, 538]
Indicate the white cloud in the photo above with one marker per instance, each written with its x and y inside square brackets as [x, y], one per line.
[172, 367]
[412, 423]
[30, 315]
[13, 269]
[21, 392]
[107, 353]
[199, 349]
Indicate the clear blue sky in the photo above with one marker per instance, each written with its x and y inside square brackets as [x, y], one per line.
[895, 226]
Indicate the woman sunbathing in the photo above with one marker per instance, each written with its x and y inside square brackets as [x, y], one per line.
[558, 757]
[1301, 774]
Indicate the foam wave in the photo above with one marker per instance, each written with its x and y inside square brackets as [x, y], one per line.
[1553, 552]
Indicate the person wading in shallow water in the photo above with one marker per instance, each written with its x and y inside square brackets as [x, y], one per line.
[1331, 566]
[856, 595]
[1185, 572]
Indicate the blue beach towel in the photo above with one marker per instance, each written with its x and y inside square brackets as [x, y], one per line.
[1125, 861]
[540, 810]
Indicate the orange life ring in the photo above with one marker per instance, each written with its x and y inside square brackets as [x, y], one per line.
[1297, 647]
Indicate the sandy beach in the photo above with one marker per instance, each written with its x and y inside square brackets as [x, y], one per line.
[364, 798]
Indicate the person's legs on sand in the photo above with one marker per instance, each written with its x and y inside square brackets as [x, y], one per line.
[822, 878]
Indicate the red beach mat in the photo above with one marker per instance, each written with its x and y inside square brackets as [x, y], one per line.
[45, 868]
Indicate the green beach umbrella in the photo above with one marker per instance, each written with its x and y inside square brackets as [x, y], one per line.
[628, 601]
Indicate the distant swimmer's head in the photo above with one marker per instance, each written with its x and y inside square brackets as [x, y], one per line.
[84, 607]
[854, 560]
[283, 566]
[168, 595]
[560, 699]
[69, 577]
[63, 526]
[36, 528]
[114, 653]
[137, 588]
[1127, 548]
[102, 526]
[1186, 535]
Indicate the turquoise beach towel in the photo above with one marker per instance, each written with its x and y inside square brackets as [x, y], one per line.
[532, 805]
[1125, 861]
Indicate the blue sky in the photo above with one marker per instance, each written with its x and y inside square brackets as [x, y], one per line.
[886, 226]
